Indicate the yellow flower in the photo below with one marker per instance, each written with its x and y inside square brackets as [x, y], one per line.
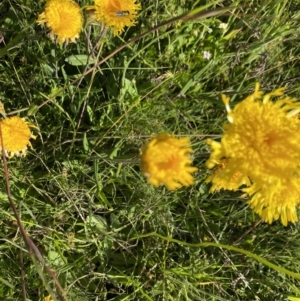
[260, 149]
[48, 298]
[227, 177]
[64, 18]
[16, 134]
[116, 13]
[165, 160]
[276, 200]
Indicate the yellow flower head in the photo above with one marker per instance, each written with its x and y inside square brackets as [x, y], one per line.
[260, 149]
[275, 200]
[165, 160]
[223, 177]
[64, 18]
[116, 13]
[48, 298]
[15, 134]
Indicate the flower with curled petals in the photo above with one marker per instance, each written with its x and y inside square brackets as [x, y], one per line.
[165, 160]
[64, 18]
[259, 153]
[116, 13]
[15, 136]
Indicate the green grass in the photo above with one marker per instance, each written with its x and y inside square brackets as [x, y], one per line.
[81, 196]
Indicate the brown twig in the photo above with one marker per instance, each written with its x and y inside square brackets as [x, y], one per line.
[247, 232]
[30, 245]
[22, 276]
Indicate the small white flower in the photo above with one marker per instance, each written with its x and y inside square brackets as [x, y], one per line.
[223, 26]
[206, 55]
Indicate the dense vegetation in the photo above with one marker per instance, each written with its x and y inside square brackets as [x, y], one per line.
[104, 231]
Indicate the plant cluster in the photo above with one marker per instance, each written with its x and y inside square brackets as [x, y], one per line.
[125, 177]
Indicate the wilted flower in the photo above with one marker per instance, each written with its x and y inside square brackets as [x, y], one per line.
[260, 151]
[15, 135]
[64, 18]
[165, 160]
[116, 13]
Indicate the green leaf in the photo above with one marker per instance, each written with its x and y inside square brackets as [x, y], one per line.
[85, 143]
[6, 283]
[80, 60]
[54, 258]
